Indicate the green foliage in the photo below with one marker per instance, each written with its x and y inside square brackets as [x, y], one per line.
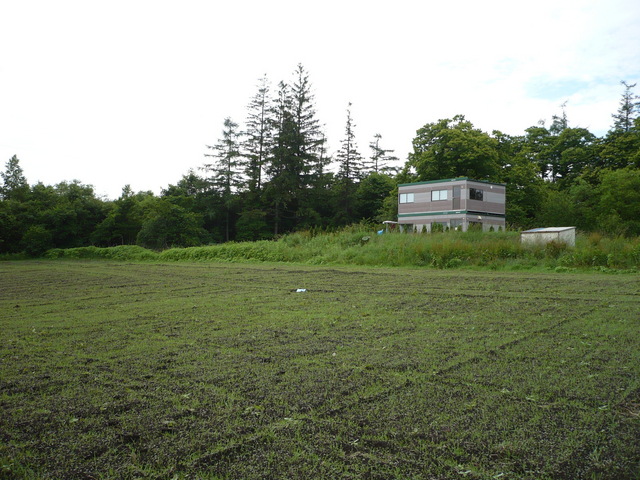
[227, 169]
[36, 240]
[556, 209]
[437, 227]
[70, 211]
[262, 251]
[130, 253]
[380, 157]
[628, 111]
[257, 140]
[124, 220]
[525, 189]
[454, 148]
[371, 194]
[169, 225]
[252, 225]
[619, 205]
[14, 184]
[14, 222]
[360, 245]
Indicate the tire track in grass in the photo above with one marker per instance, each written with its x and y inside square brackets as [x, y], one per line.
[356, 400]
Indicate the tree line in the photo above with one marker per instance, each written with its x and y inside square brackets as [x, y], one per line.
[274, 175]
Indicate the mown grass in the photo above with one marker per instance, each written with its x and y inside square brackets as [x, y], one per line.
[219, 370]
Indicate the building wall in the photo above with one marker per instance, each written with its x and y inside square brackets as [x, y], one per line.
[423, 210]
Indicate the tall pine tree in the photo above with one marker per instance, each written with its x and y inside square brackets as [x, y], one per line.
[282, 168]
[227, 169]
[350, 170]
[14, 183]
[623, 120]
[380, 157]
[621, 147]
[296, 162]
[257, 136]
[309, 139]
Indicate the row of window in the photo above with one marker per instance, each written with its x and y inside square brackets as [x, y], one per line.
[454, 224]
[436, 195]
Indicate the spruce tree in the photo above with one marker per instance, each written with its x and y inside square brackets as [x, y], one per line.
[559, 123]
[309, 139]
[628, 110]
[350, 170]
[282, 166]
[621, 147]
[227, 168]
[257, 136]
[349, 159]
[296, 161]
[14, 183]
[380, 157]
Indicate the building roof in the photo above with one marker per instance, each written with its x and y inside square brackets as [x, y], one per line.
[451, 180]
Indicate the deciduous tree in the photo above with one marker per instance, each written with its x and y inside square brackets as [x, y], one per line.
[619, 205]
[168, 225]
[454, 148]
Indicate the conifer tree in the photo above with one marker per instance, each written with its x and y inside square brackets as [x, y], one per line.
[350, 169]
[227, 169]
[621, 147]
[559, 123]
[296, 161]
[380, 157]
[628, 110]
[282, 172]
[14, 183]
[309, 139]
[349, 159]
[258, 136]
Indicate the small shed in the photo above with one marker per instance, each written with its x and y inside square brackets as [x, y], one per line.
[549, 234]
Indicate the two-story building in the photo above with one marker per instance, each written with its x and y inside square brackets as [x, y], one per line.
[456, 203]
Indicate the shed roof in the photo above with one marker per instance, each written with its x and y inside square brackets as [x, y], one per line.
[549, 229]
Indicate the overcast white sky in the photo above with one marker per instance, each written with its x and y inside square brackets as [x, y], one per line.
[130, 92]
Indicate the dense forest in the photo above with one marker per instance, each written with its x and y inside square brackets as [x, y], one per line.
[273, 175]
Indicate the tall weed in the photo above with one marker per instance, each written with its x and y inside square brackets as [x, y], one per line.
[360, 245]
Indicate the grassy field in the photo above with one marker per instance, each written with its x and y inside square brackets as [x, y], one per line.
[208, 370]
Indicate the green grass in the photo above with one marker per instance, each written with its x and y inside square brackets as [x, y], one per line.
[358, 246]
[219, 370]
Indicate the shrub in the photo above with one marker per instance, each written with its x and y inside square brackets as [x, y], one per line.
[36, 240]
[554, 249]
